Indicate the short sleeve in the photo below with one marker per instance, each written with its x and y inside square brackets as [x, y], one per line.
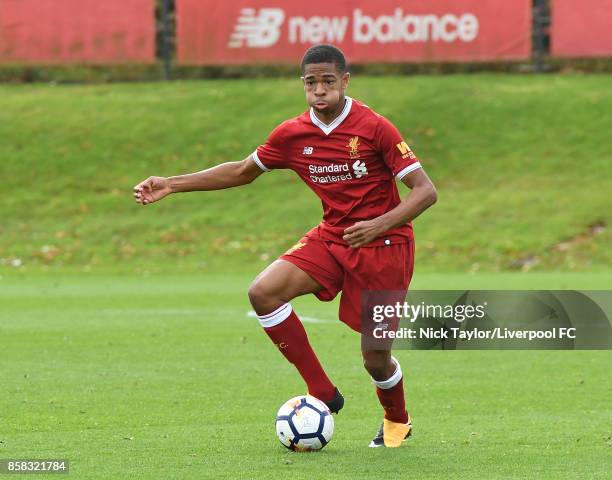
[272, 154]
[395, 151]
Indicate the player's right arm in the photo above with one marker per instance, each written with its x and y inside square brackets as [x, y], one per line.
[226, 175]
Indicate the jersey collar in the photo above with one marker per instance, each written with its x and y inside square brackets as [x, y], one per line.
[327, 129]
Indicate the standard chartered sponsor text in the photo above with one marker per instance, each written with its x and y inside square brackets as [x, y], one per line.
[331, 168]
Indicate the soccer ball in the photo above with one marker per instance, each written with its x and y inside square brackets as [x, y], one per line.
[304, 423]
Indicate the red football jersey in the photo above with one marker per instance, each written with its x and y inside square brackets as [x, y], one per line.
[351, 164]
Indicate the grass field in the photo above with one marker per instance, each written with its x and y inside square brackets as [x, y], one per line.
[167, 377]
[125, 342]
[523, 166]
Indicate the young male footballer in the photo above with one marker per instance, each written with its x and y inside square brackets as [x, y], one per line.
[350, 157]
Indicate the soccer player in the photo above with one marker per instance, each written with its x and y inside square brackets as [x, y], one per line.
[350, 157]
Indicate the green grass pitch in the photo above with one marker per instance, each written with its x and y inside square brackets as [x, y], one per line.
[167, 377]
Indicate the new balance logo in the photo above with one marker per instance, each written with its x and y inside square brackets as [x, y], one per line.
[308, 151]
[257, 30]
[360, 169]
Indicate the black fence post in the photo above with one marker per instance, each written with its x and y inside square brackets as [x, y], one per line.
[541, 21]
[166, 41]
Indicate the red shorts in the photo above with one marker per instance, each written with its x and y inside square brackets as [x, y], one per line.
[354, 271]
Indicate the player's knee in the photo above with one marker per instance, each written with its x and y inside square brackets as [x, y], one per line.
[260, 296]
[256, 293]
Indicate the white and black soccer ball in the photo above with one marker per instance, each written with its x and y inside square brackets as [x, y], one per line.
[304, 423]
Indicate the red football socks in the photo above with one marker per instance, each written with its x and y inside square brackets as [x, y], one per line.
[390, 393]
[392, 400]
[287, 332]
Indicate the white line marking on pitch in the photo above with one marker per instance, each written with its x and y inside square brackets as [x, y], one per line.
[251, 313]
[150, 311]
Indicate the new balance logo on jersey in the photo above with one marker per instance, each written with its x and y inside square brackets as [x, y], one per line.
[308, 151]
[257, 29]
[360, 169]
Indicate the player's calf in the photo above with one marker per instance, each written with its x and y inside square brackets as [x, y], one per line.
[270, 294]
[378, 363]
[387, 376]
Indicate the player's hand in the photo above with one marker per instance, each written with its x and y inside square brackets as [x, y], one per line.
[362, 233]
[151, 190]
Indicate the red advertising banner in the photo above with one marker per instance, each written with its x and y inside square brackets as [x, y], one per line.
[581, 29]
[77, 31]
[260, 31]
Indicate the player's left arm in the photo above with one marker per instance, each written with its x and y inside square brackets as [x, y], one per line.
[422, 196]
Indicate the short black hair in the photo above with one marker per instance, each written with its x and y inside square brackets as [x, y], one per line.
[324, 53]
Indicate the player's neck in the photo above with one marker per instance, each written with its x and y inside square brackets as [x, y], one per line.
[331, 116]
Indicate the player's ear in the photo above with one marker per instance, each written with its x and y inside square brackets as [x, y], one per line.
[346, 76]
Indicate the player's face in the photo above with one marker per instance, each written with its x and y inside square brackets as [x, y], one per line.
[324, 86]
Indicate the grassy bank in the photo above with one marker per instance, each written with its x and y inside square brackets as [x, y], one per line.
[523, 165]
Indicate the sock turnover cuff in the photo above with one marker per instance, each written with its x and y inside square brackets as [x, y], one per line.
[276, 317]
[393, 380]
